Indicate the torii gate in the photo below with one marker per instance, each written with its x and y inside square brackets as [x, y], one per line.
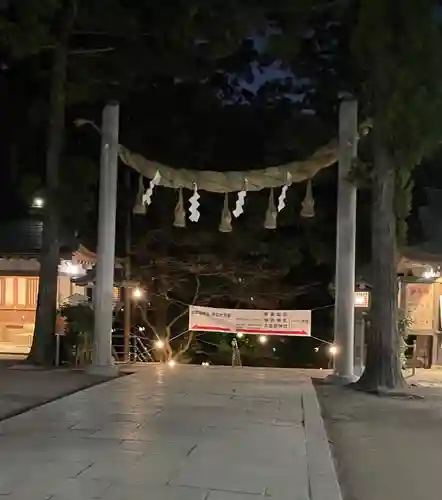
[344, 151]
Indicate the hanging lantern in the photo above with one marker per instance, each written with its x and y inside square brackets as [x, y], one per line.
[140, 208]
[180, 213]
[240, 201]
[308, 205]
[225, 225]
[271, 214]
[194, 205]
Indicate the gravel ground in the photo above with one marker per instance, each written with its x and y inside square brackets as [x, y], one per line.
[384, 448]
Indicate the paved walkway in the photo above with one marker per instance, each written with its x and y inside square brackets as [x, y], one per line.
[425, 378]
[182, 433]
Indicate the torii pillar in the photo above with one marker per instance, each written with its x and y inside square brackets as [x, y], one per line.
[346, 244]
[102, 359]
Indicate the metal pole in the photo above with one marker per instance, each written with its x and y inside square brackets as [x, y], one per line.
[359, 342]
[57, 350]
[414, 360]
[346, 243]
[236, 355]
[127, 289]
[102, 359]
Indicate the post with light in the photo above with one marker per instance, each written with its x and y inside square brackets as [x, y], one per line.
[362, 298]
[332, 351]
[137, 293]
[127, 313]
[127, 272]
[159, 344]
[236, 354]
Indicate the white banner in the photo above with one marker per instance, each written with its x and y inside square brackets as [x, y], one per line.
[250, 321]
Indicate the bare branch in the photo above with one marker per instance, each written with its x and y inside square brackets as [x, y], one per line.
[197, 289]
[80, 52]
[105, 33]
[177, 302]
[184, 348]
[91, 52]
[195, 297]
[146, 320]
[177, 318]
[169, 299]
[168, 333]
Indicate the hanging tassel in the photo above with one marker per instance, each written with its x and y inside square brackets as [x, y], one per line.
[194, 205]
[180, 213]
[240, 201]
[225, 225]
[308, 205]
[271, 214]
[147, 197]
[283, 196]
[140, 207]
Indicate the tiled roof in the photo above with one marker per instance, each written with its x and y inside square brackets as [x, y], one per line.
[24, 237]
[90, 277]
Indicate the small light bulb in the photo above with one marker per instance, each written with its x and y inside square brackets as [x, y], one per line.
[137, 293]
[333, 350]
[38, 202]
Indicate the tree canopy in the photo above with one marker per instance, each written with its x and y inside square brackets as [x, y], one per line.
[207, 85]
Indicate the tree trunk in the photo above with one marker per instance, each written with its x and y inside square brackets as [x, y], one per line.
[382, 365]
[160, 307]
[127, 272]
[43, 341]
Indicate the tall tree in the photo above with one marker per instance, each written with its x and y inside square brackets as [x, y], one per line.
[28, 30]
[386, 53]
[41, 353]
[43, 31]
[198, 269]
[183, 41]
[397, 47]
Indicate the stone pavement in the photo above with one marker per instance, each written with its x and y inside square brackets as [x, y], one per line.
[425, 378]
[181, 433]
